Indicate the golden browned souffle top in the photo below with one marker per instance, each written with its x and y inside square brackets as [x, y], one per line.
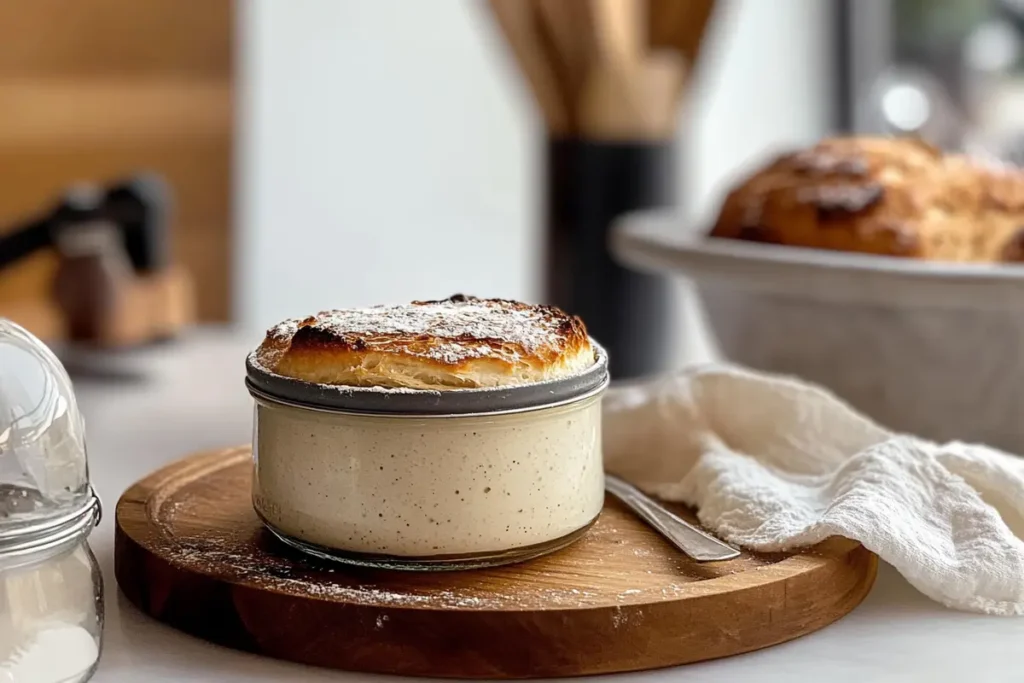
[459, 342]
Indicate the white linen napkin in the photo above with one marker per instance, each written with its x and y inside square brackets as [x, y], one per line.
[774, 464]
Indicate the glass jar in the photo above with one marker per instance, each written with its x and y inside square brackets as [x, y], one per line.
[428, 480]
[51, 590]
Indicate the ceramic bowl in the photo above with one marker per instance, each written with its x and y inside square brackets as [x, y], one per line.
[934, 349]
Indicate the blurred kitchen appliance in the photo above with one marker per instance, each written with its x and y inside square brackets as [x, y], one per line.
[114, 284]
[608, 77]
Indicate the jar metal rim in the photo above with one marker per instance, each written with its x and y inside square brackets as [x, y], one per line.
[474, 402]
[274, 400]
[48, 534]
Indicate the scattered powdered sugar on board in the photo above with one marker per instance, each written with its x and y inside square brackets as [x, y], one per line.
[246, 556]
[229, 560]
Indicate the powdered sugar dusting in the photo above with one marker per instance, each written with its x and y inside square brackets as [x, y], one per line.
[344, 389]
[284, 330]
[455, 343]
[460, 328]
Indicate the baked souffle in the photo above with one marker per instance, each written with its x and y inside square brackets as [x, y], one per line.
[455, 343]
[888, 196]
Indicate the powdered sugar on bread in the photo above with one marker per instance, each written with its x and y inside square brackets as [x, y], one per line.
[459, 342]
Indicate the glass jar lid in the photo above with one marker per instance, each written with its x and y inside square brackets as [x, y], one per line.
[44, 477]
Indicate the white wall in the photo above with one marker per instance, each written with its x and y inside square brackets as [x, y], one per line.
[384, 157]
[387, 152]
[765, 84]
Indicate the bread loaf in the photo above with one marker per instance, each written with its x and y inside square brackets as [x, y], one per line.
[892, 197]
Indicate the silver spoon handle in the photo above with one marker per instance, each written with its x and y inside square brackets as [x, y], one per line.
[680, 533]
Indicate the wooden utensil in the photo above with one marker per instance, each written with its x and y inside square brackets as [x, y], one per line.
[635, 103]
[608, 109]
[518, 22]
[619, 29]
[603, 68]
[660, 83]
[621, 70]
[610, 103]
[568, 24]
[680, 25]
[190, 552]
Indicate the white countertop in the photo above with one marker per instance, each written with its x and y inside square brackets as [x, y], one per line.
[188, 396]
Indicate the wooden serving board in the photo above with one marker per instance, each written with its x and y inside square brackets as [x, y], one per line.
[191, 553]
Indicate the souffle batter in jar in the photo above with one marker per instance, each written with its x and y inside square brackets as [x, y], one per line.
[416, 442]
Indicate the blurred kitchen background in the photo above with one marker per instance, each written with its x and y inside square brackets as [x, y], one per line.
[326, 153]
